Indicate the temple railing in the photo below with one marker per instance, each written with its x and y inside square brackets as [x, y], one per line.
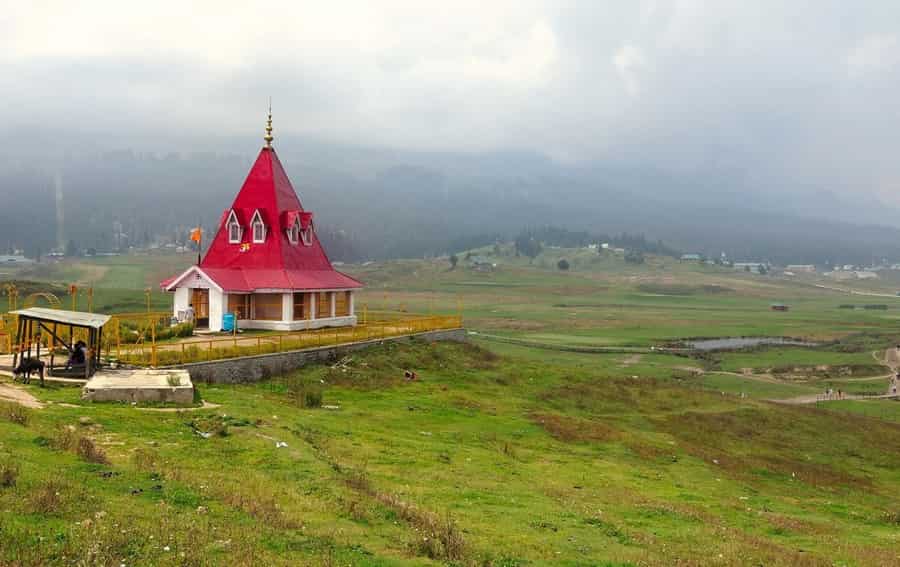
[250, 343]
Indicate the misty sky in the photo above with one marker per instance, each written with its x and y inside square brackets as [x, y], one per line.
[784, 93]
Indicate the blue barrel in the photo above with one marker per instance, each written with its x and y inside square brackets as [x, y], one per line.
[228, 322]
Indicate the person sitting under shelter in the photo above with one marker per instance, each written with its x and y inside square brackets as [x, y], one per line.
[78, 356]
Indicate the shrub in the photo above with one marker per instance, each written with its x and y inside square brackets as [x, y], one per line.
[183, 330]
[145, 459]
[64, 438]
[312, 398]
[634, 257]
[304, 394]
[88, 451]
[9, 473]
[47, 498]
[16, 413]
[563, 264]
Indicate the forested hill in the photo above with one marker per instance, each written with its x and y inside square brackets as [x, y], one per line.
[378, 204]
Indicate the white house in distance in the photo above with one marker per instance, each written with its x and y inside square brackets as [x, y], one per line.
[265, 263]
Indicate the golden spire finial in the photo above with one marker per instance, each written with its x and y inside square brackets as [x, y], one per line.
[269, 137]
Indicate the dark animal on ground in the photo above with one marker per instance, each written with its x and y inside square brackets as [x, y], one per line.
[26, 367]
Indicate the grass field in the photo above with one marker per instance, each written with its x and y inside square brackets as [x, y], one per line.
[501, 454]
[489, 459]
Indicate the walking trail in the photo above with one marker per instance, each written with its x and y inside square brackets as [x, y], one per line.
[891, 360]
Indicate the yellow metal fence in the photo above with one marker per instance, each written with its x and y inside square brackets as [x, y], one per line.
[198, 349]
[134, 339]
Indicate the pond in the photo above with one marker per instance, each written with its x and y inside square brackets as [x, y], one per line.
[733, 343]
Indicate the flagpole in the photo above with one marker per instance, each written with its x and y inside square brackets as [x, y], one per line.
[199, 242]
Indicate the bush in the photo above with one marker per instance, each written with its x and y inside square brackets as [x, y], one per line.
[183, 330]
[64, 438]
[312, 398]
[9, 473]
[303, 393]
[46, 498]
[15, 413]
[634, 257]
[563, 264]
[145, 460]
[88, 451]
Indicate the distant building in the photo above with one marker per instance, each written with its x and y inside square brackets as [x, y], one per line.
[16, 260]
[865, 275]
[481, 264]
[754, 267]
[691, 258]
[802, 268]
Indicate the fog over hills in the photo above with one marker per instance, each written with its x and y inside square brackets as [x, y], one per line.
[762, 129]
[394, 203]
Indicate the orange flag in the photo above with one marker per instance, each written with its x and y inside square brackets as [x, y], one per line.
[196, 234]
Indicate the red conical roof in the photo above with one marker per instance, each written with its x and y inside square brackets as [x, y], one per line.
[277, 263]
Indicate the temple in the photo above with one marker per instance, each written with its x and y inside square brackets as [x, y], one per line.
[265, 264]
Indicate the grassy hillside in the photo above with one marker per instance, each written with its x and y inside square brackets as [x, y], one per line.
[501, 459]
[501, 454]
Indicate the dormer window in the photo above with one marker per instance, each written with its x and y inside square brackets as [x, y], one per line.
[293, 233]
[258, 227]
[234, 229]
[306, 235]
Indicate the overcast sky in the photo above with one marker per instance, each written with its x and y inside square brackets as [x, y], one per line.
[799, 92]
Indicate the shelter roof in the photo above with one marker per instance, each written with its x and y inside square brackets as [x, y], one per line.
[74, 318]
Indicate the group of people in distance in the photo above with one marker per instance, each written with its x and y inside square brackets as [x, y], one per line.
[831, 394]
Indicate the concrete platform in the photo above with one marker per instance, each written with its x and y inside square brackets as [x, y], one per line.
[170, 385]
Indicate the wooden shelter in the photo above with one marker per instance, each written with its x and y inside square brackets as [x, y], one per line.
[51, 321]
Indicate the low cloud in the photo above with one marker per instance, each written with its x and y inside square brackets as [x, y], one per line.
[780, 94]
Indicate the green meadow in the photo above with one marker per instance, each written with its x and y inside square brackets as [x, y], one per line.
[501, 453]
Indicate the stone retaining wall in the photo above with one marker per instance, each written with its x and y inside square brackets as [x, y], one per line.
[263, 366]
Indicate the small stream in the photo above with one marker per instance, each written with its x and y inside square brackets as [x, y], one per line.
[734, 343]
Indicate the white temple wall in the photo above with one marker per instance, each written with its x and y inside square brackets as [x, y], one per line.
[216, 309]
[182, 299]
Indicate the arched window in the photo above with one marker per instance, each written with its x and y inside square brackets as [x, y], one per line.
[234, 229]
[258, 227]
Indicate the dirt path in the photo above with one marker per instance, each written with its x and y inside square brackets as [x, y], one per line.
[13, 393]
[891, 360]
[813, 398]
[854, 291]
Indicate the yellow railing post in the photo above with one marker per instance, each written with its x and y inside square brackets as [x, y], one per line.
[153, 344]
